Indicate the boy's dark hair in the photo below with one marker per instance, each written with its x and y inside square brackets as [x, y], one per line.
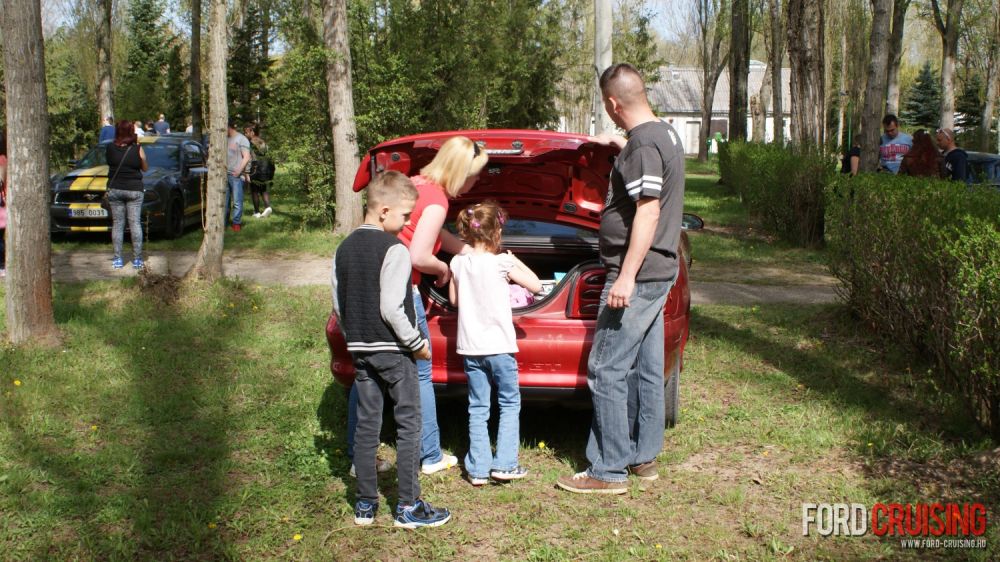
[889, 119]
[389, 188]
[481, 224]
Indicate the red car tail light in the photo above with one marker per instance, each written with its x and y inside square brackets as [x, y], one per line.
[586, 294]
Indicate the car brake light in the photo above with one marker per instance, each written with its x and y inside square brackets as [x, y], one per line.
[586, 297]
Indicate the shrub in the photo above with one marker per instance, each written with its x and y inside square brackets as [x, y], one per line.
[919, 261]
[782, 187]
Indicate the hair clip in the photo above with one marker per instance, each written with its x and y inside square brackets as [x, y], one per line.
[469, 211]
[501, 219]
[475, 224]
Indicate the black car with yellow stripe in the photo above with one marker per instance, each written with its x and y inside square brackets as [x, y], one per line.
[173, 198]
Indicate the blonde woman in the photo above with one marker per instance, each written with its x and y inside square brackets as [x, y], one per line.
[452, 172]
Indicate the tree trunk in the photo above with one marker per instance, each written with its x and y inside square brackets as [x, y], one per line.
[341, 102]
[871, 115]
[208, 264]
[713, 60]
[842, 103]
[899, 10]
[197, 121]
[805, 53]
[758, 107]
[29, 257]
[992, 85]
[105, 94]
[777, 87]
[739, 68]
[948, 26]
[602, 60]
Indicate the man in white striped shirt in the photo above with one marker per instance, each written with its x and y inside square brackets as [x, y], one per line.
[639, 235]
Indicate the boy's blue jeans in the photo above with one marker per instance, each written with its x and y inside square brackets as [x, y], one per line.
[483, 371]
[395, 374]
[627, 358]
[430, 435]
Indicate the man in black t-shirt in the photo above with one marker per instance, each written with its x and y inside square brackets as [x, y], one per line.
[956, 160]
[639, 234]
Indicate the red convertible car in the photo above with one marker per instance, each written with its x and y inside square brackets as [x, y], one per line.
[553, 187]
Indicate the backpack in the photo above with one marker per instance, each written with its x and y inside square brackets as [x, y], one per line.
[261, 170]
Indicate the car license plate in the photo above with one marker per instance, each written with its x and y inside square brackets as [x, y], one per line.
[88, 213]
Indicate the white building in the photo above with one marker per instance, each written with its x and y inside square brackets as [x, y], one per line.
[676, 98]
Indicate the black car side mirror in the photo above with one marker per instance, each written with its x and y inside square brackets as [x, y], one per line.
[692, 222]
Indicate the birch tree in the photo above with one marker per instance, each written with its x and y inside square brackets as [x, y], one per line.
[341, 102]
[805, 53]
[774, 66]
[899, 9]
[105, 94]
[739, 69]
[947, 23]
[711, 25]
[208, 263]
[29, 254]
[871, 115]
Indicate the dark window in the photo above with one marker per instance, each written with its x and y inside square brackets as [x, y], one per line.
[161, 155]
[540, 229]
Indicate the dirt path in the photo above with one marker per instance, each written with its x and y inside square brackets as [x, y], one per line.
[74, 267]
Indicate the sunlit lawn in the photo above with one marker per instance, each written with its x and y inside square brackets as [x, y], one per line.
[207, 427]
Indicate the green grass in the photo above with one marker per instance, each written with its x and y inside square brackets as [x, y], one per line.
[730, 249]
[207, 427]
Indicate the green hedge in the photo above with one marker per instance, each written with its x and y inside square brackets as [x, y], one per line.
[920, 262]
[782, 187]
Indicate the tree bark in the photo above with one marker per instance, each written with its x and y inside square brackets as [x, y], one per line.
[842, 104]
[105, 93]
[871, 115]
[992, 85]
[777, 86]
[602, 60]
[739, 68]
[713, 61]
[805, 53]
[948, 27]
[29, 258]
[208, 264]
[197, 121]
[758, 108]
[341, 103]
[899, 10]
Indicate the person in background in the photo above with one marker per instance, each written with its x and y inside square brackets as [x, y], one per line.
[149, 129]
[852, 159]
[107, 133]
[893, 145]
[923, 160]
[261, 172]
[237, 160]
[956, 160]
[190, 128]
[480, 288]
[161, 127]
[126, 163]
[139, 132]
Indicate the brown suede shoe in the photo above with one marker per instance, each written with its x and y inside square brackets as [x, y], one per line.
[581, 483]
[645, 471]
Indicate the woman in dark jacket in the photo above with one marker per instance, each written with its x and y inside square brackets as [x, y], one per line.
[126, 162]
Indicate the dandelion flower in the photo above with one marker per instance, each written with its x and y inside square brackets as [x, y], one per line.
[871, 445]
[541, 444]
[93, 428]
[17, 382]
[658, 545]
[297, 537]
[211, 525]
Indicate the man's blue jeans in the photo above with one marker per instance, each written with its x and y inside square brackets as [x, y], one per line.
[234, 193]
[430, 436]
[627, 354]
[483, 371]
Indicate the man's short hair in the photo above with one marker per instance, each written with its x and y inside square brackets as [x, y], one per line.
[889, 119]
[623, 82]
[389, 189]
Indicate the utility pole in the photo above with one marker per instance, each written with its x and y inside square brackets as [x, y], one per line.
[602, 60]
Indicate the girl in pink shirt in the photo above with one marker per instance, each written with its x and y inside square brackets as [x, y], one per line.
[486, 340]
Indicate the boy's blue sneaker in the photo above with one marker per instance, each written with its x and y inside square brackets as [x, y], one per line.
[137, 263]
[507, 475]
[421, 514]
[117, 263]
[364, 512]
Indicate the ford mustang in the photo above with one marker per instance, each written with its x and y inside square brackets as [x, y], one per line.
[553, 187]
[173, 181]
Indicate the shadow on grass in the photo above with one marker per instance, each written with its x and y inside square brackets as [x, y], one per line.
[173, 423]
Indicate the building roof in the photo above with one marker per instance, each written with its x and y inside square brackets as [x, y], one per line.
[679, 89]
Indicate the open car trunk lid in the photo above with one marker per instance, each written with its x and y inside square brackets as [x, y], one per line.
[537, 175]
